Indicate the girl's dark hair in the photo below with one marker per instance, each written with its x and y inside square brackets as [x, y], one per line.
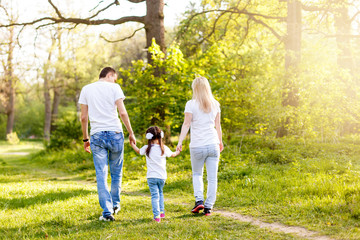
[156, 131]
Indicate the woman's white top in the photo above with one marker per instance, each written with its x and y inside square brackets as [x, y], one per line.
[202, 128]
[155, 162]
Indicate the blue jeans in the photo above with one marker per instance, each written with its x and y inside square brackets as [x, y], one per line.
[156, 186]
[209, 155]
[108, 148]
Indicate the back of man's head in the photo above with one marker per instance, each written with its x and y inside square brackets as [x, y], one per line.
[105, 72]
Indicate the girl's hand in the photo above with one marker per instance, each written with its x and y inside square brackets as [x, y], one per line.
[179, 147]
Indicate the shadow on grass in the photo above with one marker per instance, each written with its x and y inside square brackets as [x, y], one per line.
[64, 226]
[17, 203]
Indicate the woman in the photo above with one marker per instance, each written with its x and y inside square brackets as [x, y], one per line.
[202, 113]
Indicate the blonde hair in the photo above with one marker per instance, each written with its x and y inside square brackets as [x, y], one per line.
[203, 95]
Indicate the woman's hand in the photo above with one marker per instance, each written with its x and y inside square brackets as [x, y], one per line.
[179, 147]
[221, 145]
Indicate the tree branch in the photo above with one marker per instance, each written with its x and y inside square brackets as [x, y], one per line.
[80, 21]
[101, 10]
[123, 39]
[312, 8]
[96, 5]
[56, 9]
[353, 18]
[136, 1]
[235, 10]
[268, 27]
[87, 21]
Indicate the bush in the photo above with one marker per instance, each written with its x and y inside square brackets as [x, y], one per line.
[12, 138]
[276, 157]
[67, 133]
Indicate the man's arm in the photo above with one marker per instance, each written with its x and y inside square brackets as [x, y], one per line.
[125, 119]
[84, 126]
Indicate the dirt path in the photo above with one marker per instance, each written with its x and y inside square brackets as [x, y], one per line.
[16, 153]
[276, 227]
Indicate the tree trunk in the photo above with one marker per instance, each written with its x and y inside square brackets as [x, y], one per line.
[154, 25]
[47, 97]
[57, 84]
[9, 76]
[55, 107]
[47, 124]
[292, 59]
[343, 31]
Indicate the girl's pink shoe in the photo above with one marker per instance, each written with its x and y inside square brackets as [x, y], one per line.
[157, 219]
[162, 215]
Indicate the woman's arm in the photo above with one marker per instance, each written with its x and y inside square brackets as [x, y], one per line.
[184, 130]
[218, 130]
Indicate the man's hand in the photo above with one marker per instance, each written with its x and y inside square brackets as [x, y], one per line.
[132, 139]
[87, 146]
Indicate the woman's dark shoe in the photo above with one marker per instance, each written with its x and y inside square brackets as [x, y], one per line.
[207, 211]
[199, 205]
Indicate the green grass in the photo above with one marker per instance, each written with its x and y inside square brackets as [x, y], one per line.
[54, 196]
[311, 184]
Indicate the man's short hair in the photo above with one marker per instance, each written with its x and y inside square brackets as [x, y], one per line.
[105, 71]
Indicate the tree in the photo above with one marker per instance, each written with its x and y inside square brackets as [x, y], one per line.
[153, 21]
[9, 77]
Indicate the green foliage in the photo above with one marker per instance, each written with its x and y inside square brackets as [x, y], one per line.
[157, 93]
[29, 117]
[12, 138]
[67, 132]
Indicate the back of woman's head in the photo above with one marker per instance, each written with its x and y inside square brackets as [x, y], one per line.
[202, 93]
[154, 133]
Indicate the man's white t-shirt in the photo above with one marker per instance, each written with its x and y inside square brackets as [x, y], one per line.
[202, 128]
[155, 163]
[100, 97]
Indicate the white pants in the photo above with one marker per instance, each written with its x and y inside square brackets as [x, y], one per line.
[208, 155]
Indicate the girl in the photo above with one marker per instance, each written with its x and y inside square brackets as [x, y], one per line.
[156, 153]
[202, 114]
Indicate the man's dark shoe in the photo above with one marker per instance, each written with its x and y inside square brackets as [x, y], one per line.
[199, 205]
[116, 210]
[109, 218]
[207, 211]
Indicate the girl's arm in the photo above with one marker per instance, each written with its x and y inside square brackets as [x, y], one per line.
[177, 153]
[218, 130]
[184, 130]
[136, 149]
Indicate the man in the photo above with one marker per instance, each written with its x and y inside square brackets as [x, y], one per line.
[99, 101]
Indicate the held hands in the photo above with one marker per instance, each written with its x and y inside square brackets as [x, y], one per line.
[133, 144]
[179, 147]
[132, 139]
[87, 146]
